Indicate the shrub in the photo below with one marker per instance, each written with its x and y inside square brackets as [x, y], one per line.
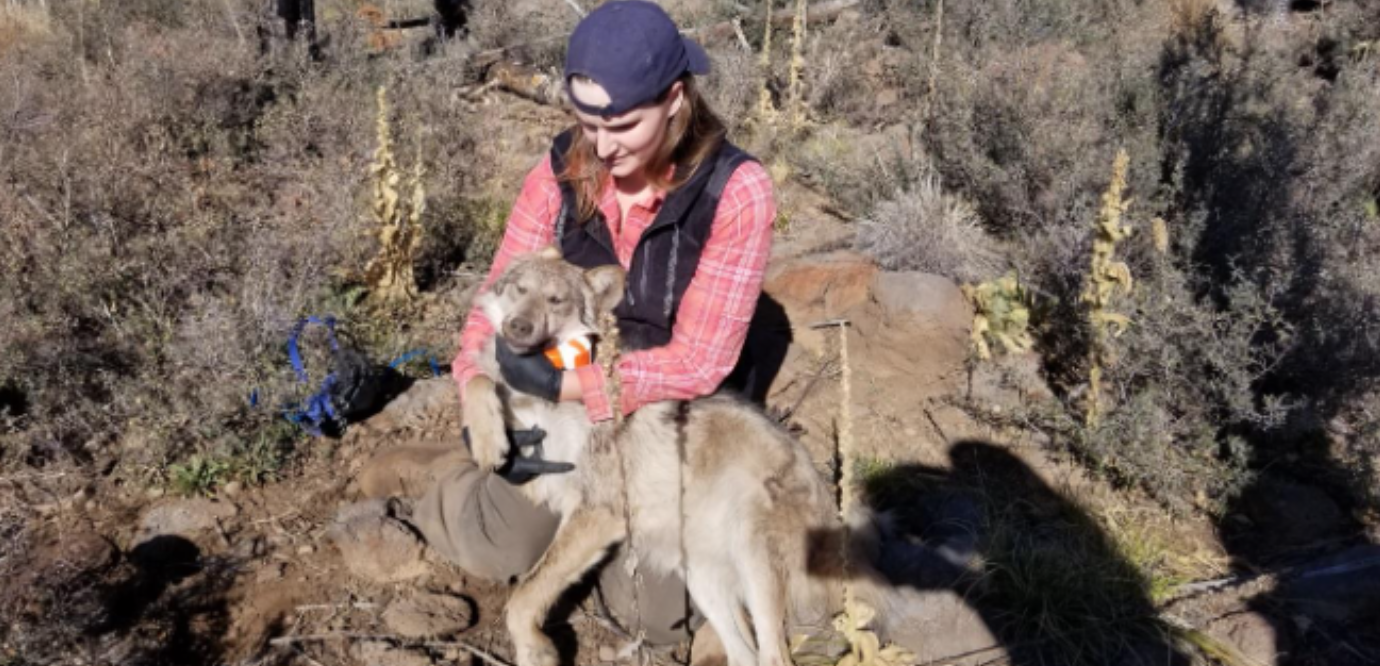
[923, 228]
[174, 200]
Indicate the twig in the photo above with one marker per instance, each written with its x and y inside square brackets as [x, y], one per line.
[358, 605]
[303, 654]
[356, 636]
[742, 38]
[1302, 572]
[830, 323]
[933, 82]
[575, 6]
[935, 423]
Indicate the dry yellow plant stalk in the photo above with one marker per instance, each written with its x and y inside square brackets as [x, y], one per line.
[1106, 279]
[399, 219]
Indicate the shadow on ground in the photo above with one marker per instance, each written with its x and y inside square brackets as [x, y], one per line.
[1038, 571]
[162, 603]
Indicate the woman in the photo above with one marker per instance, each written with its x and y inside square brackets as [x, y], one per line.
[646, 180]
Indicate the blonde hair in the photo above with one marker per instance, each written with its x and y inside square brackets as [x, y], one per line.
[692, 136]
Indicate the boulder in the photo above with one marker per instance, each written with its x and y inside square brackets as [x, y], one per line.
[821, 286]
[940, 627]
[375, 546]
[932, 299]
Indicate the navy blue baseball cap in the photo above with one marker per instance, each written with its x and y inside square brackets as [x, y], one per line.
[632, 49]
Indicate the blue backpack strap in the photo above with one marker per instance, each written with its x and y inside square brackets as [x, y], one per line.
[408, 356]
[317, 409]
[294, 355]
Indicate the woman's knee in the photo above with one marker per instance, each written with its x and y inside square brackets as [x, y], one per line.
[484, 525]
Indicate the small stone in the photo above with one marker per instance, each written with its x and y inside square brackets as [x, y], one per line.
[270, 573]
[90, 505]
[155, 492]
[607, 653]
[233, 488]
[307, 549]
[1251, 633]
[376, 653]
[429, 616]
[184, 517]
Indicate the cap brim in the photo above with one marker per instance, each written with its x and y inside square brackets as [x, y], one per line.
[698, 59]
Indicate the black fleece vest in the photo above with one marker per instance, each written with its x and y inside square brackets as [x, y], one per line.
[666, 255]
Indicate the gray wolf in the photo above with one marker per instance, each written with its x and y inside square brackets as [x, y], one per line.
[714, 489]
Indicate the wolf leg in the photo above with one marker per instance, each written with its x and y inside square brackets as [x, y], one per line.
[482, 412]
[766, 603]
[715, 596]
[580, 543]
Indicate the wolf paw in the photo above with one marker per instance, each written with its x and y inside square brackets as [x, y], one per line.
[489, 449]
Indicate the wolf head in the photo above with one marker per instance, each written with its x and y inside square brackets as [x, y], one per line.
[542, 299]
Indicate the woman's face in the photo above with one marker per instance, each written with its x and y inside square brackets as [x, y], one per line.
[625, 143]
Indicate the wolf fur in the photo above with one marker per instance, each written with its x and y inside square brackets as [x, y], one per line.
[716, 490]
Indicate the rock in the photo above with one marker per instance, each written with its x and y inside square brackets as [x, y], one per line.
[936, 625]
[1344, 587]
[185, 517]
[426, 400]
[376, 547]
[1292, 513]
[408, 470]
[378, 653]
[429, 616]
[934, 299]
[271, 573]
[233, 488]
[827, 286]
[86, 552]
[1252, 634]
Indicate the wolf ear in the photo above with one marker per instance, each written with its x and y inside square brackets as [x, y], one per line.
[607, 284]
[549, 253]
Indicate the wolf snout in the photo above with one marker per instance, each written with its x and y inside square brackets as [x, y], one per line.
[518, 329]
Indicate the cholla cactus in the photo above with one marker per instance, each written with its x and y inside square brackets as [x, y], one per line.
[1106, 279]
[399, 230]
[1001, 315]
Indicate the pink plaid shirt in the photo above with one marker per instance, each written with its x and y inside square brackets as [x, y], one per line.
[714, 313]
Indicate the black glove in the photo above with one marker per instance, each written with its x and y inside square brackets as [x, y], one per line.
[520, 465]
[532, 374]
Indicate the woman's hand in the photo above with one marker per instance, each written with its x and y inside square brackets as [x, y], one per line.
[532, 374]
